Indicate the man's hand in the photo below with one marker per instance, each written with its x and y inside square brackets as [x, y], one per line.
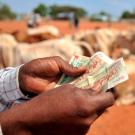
[42, 74]
[65, 110]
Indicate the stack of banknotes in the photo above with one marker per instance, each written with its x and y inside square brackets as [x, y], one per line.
[103, 72]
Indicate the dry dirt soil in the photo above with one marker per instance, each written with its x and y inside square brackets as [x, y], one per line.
[118, 120]
[64, 26]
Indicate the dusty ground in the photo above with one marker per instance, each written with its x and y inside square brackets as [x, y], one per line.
[12, 26]
[118, 120]
[64, 26]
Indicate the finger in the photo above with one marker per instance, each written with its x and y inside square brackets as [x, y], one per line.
[102, 101]
[68, 69]
[92, 92]
[114, 92]
[51, 86]
[89, 120]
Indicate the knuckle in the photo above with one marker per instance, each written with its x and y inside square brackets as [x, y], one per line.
[81, 103]
[78, 93]
[59, 61]
[81, 93]
[57, 58]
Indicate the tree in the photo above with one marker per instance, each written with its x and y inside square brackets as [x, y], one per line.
[6, 12]
[103, 13]
[127, 15]
[41, 9]
[55, 10]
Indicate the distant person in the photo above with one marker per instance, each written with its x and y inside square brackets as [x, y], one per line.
[71, 20]
[34, 20]
[76, 21]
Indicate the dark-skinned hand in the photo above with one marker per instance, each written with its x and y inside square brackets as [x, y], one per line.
[65, 110]
[42, 74]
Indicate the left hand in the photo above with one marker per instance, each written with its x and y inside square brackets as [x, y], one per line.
[65, 110]
[42, 74]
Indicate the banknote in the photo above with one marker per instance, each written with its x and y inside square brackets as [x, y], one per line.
[95, 63]
[104, 79]
[104, 73]
[117, 73]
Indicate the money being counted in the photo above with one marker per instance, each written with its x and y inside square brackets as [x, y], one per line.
[103, 72]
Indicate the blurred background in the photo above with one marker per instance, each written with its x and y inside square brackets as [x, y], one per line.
[42, 28]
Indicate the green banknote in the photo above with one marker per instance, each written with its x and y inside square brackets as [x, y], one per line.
[104, 73]
[95, 63]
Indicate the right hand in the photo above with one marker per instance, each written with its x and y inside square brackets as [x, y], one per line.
[40, 75]
[65, 110]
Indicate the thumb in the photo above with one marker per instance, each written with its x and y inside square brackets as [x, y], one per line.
[68, 69]
[104, 100]
[100, 101]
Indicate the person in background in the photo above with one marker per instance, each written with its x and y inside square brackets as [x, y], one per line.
[76, 21]
[34, 20]
[73, 20]
[44, 109]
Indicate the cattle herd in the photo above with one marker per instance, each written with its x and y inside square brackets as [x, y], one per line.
[20, 47]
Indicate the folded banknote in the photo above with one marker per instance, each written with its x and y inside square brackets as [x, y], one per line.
[103, 72]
